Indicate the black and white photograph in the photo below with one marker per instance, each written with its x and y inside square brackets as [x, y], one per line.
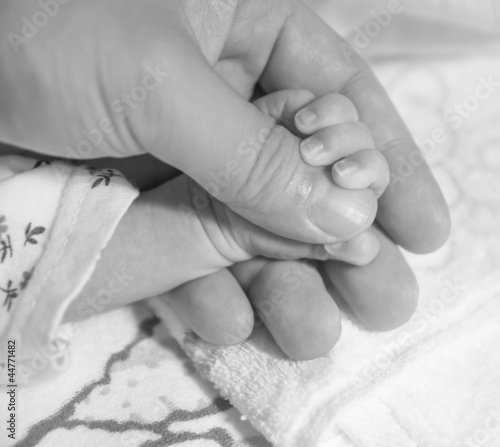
[250, 223]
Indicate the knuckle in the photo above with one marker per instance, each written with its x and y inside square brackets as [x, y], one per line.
[363, 130]
[296, 100]
[361, 135]
[343, 106]
[366, 199]
[375, 159]
[332, 104]
[347, 134]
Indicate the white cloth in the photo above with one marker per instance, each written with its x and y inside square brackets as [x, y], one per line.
[55, 219]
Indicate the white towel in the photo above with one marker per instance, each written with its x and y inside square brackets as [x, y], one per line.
[416, 388]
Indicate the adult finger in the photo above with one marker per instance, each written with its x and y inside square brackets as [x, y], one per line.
[413, 210]
[383, 294]
[214, 307]
[292, 301]
[244, 158]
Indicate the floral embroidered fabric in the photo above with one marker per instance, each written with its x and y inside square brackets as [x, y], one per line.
[55, 219]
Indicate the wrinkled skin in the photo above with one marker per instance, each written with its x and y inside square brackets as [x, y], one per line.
[70, 76]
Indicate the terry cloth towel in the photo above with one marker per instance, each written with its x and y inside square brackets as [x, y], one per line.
[55, 219]
[373, 389]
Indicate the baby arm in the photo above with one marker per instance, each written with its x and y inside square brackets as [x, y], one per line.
[176, 232]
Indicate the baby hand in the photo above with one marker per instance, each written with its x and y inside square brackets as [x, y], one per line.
[335, 136]
[191, 234]
[336, 139]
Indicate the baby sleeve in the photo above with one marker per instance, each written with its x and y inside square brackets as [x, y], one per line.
[55, 220]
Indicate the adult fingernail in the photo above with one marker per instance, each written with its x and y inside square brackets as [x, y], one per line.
[340, 212]
[305, 118]
[311, 147]
[345, 168]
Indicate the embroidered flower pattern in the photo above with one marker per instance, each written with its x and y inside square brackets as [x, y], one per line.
[5, 243]
[5, 249]
[27, 275]
[10, 295]
[104, 176]
[30, 234]
[41, 163]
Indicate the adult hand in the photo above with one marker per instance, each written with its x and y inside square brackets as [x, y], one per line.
[173, 78]
[67, 79]
[292, 299]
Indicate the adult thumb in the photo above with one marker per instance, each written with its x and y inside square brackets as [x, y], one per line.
[242, 157]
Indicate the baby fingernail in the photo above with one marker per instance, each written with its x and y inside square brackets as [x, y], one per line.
[333, 249]
[311, 147]
[345, 168]
[305, 117]
[320, 253]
